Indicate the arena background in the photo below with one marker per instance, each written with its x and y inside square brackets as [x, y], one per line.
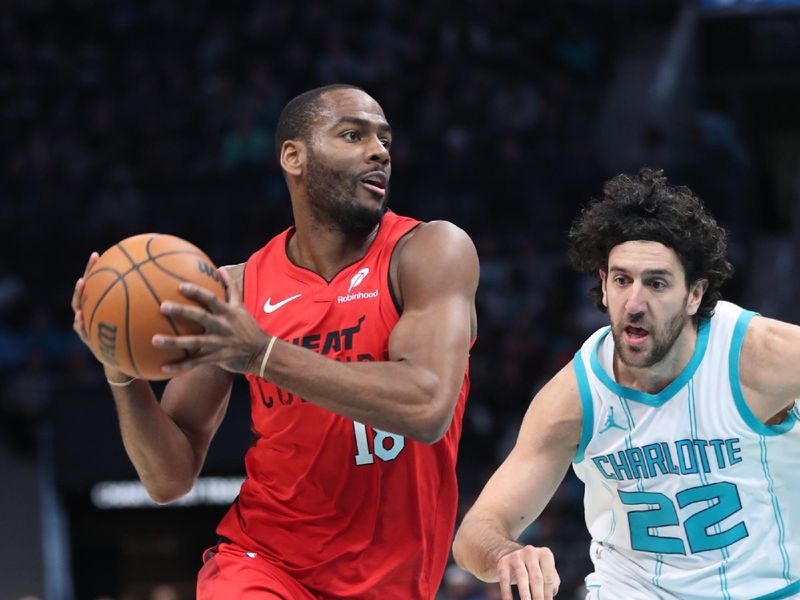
[119, 117]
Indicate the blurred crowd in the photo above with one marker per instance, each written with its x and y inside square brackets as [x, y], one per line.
[123, 116]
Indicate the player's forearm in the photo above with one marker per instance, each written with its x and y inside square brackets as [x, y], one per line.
[157, 447]
[394, 396]
[479, 543]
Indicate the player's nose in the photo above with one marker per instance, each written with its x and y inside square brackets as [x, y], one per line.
[635, 302]
[377, 150]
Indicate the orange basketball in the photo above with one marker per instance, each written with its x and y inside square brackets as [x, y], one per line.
[122, 297]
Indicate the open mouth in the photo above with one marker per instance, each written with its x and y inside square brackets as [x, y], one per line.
[635, 335]
[375, 182]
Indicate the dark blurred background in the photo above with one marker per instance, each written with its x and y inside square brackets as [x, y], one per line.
[119, 117]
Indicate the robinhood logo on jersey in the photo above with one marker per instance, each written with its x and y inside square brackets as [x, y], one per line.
[356, 281]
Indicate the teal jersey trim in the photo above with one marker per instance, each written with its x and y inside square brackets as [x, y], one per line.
[722, 571]
[786, 592]
[668, 392]
[736, 386]
[776, 507]
[587, 406]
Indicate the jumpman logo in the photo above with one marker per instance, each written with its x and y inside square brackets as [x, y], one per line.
[610, 422]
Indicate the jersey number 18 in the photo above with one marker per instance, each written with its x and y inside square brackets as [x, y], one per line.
[379, 444]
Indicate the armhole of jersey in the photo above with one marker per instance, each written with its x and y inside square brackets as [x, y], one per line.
[244, 279]
[587, 407]
[392, 294]
[736, 386]
[249, 301]
[247, 296]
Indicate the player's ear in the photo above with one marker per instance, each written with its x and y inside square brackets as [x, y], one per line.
[696, 293]
[603, 285]
[293, 157]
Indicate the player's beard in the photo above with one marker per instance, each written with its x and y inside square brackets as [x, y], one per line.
[662, 339]
[332, 195]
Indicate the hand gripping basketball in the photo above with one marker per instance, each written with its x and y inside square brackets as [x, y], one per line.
[77, 322]
[117, 301]
[232, 338]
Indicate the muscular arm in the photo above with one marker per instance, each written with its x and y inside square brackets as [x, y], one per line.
[768, 367]
[414, 393]
[522, 486]
[167, 442]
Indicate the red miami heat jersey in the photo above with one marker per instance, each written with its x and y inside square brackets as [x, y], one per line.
[347, 510]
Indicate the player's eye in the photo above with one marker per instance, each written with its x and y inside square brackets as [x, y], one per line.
[658, 284]
[387, 143]
[351, 136]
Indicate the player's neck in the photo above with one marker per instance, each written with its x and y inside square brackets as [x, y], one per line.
[324, 249]
[655, 378]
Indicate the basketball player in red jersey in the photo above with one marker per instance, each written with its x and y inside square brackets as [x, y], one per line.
[353, 328]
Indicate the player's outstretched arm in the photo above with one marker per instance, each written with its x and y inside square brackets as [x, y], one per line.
[768, 367]
[415, 392]
[519, 490]
[167, 442]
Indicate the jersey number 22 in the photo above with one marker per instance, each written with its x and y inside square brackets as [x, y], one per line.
[722, 501]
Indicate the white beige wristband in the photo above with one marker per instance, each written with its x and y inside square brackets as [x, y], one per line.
[266, 357]
[122, 383]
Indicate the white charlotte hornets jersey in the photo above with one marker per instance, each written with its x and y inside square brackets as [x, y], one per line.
[688, 495]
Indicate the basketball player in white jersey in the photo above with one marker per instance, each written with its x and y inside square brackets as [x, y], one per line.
[680, 418]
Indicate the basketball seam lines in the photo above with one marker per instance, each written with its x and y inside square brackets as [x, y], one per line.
[120, 279]
[150, 288]
[105, 292]
[164, 269]
[127, 312]
[128, 326]
[152, 291]
[135, 265]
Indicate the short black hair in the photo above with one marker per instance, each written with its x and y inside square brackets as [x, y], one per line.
[645, 207]
[300, 112]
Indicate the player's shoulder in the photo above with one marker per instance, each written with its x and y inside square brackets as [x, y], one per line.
[555, 416]
[726, 310]
[436, 241]
[435, 257]
[440, 228]
[236, 272]
[563, 385]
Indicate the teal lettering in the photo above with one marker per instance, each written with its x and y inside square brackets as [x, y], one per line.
[700, 446]
[654, 457]
[685, 450]
[621, 466]
[731, 445]
[717, 445]
[636, 461]
[673, 468]
[597, 460]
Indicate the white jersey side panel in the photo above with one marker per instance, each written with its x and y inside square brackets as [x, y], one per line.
[687, 494]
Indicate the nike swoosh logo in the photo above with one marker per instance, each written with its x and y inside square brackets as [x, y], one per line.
[269, 308]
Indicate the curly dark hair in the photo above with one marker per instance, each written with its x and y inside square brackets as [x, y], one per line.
[646, 207]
